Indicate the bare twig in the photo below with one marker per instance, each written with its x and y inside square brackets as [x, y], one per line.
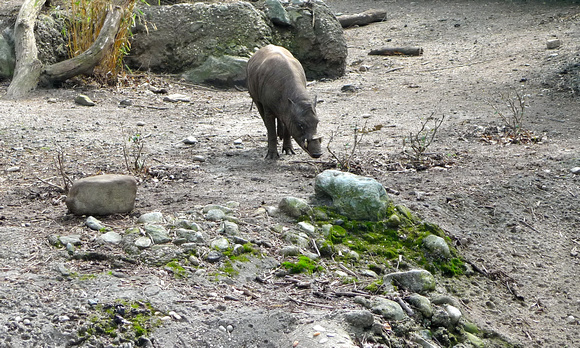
[422, 139]
[309, 303]
[59, 162]
[343, 267]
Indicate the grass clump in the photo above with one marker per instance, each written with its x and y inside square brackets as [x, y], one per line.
[85, 23]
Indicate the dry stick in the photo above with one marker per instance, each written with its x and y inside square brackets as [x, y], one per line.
[529, 226]
[60, 189]
[405, 306]
[315, 246]
[397, 51]
[343, 267]
[309, 303]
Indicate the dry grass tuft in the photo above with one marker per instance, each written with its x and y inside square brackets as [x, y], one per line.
[86, 20]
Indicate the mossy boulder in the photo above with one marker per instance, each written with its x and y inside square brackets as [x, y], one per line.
[354, 196]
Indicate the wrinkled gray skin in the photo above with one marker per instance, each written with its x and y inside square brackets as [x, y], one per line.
[277, 85]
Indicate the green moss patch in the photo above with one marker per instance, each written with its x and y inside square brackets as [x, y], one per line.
[124, 321]
[400, 235]
[178, 271]
[303, 265]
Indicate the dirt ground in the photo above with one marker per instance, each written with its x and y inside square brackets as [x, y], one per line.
[513, 209]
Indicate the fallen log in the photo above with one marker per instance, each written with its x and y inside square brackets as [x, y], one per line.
[397, 51]
[364, 18]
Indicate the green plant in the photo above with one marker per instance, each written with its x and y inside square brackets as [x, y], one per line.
[422, 139]
[133, 154]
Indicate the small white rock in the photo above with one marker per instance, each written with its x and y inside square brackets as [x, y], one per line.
[318, 328]
[174, 98]
[575, 170]
[190, 140]
[174, 315]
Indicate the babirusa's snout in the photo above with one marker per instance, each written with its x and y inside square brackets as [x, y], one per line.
[314, 146]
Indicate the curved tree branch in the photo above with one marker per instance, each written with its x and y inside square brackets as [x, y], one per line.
[85, 62]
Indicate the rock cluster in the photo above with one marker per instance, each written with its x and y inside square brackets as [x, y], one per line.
[407, 302]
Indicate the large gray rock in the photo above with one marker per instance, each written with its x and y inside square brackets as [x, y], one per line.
[224, 71]
[184, 37]
[51, 40]
[388, 309]
[294, 207]
[102, 195]
[315, 38]
[419, 281]
[181, 37]
[7, 57]
[356, 197]
[437, 246]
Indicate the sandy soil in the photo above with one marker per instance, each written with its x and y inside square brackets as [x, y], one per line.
[513, 209]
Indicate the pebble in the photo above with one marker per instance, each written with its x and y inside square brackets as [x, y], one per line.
[552, 44]
[318, 328]
[150, 217]
[84, 100]
[575, 170]
[306, 227]
[73, 239]
[220, 244]
[214, 256]
[348, 88]
[140, 124]
[290, 250]
[198, 158]
[174, 98]
[359, 318]
[94, 224]
[126, 102]
[193, 260]
[13, 169]
[174, 315]
[112, 237]
[143, 242]
[238, 142]
[230, 328]
[369, 273]
[215, 215]
[191, 140]
[454, 314]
